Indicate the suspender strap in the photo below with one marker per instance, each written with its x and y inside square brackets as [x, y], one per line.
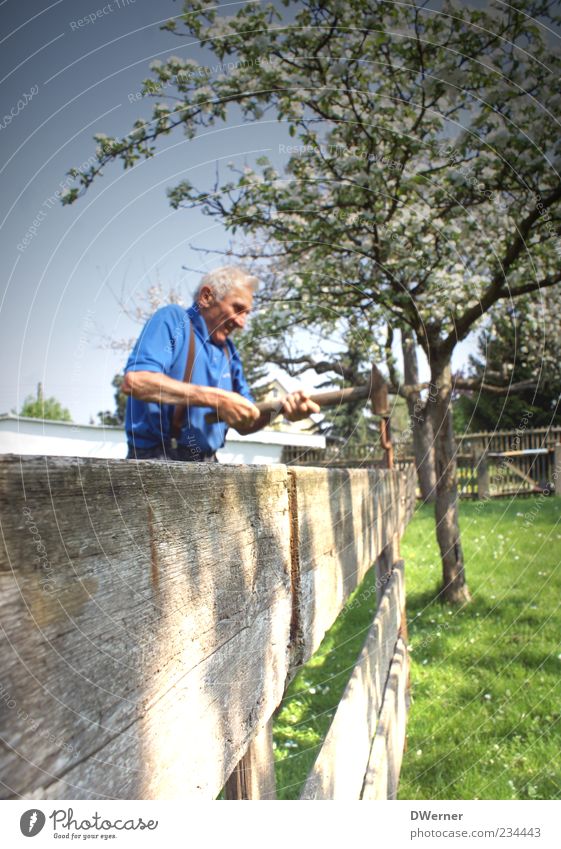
[178, 417]
[179, 411]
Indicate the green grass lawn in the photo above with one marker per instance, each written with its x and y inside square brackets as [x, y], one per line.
[311, 700]
[486, 679]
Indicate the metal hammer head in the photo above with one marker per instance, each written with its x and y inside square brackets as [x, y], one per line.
[378, 392]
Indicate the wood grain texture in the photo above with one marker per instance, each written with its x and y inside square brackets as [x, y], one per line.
[149, 612]
[384, 765]
[340, 767]
[254, 776]
[345, 519]
[145, 614]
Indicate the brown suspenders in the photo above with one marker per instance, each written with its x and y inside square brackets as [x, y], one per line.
[179, 413]
[178, 417]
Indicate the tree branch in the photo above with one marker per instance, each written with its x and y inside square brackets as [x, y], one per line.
[470, 385]
[545, 283]
[464, 384]
[496, 289]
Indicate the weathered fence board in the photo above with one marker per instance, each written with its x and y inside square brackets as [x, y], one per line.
[152, 613]
[342, 529]
[384, 765]
[145, 614]
[254, 776]
[340, 767]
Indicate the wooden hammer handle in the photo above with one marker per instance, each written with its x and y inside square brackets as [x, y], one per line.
[322, 399]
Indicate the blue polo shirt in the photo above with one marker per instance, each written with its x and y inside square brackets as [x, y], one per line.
[162, 347]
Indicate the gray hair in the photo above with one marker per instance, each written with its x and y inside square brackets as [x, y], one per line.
[222, 280]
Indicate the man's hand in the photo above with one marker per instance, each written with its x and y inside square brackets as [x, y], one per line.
[236, 410]
[230, 407]
[298, 405]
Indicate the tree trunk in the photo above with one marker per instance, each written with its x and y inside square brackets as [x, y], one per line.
[454, 589]
[421, 422]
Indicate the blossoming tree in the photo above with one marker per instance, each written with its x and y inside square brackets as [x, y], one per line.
[423, 184]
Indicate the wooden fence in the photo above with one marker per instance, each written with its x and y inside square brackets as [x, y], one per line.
[335, 456]
[490, 464]
[498, 441]
[468, 444]
[508, 473]
[153, 614]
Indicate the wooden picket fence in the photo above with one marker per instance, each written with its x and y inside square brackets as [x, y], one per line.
[508, 462]
[490, 464]
[153, 614]
[498, 441]
[507, 474]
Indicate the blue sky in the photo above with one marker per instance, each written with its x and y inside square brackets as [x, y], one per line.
[64, 267]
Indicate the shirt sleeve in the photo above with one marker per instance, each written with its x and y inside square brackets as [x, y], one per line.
[239, 383]
[155, 347]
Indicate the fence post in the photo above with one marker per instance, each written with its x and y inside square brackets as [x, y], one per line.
[254, 776]
[384, 566]
[482, 477]
[557, 469]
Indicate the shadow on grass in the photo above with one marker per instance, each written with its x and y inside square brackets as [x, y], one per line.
[421, 600]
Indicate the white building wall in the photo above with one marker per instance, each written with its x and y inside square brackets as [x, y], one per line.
[236, 452]
[61, 439]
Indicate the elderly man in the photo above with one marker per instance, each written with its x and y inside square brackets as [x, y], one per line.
[184, 365]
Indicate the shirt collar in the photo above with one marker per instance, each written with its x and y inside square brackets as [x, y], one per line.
[198, 322]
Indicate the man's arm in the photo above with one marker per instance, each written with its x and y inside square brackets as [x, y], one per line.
[233, 409]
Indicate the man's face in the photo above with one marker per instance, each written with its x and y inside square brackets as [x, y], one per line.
[224, 316]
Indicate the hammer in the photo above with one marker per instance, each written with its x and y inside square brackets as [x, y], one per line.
[375, 390]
